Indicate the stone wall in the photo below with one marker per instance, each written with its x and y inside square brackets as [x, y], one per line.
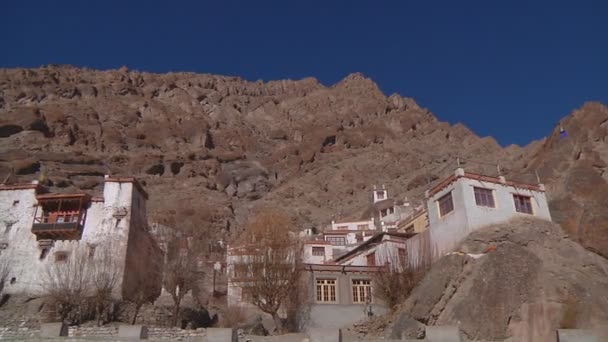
[106, 332]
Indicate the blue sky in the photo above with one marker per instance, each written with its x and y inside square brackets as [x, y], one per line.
[508, 69]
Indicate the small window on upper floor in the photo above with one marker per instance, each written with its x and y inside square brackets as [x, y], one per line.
[380, 195]
[363, 227]
[318, 251]
[484, 197]
[446, 205]
[523, 204]
[371, 259]
[61, 257]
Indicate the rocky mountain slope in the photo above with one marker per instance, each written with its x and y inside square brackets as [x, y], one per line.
[210, 148]
[535, 281]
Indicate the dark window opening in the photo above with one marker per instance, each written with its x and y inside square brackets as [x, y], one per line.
[43, 253]
[371, 259]
[61, 257]
[523, 204]
[318, 251]
[484, 197]
[336, 241]
[446, 205]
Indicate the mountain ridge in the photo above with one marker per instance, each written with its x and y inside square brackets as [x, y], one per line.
[224, 146]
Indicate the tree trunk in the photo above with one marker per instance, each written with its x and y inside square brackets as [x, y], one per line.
[176, 311]
[137, 307]
[278, 322]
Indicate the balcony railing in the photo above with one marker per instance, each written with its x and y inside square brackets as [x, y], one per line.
[58, 227]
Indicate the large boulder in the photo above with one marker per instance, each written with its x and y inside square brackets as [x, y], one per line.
[535, 281]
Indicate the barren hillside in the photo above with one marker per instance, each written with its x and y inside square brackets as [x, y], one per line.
[215, 146]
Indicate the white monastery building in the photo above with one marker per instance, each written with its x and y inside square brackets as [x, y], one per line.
[39, 229]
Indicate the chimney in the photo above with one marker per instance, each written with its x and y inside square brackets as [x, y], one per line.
[459, 172]
[502, 180]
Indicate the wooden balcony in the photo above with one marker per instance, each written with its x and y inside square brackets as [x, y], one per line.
[57, 231]
[61, 216]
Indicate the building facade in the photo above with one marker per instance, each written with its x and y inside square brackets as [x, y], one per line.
[466, 202]
[341, 295]
[38, 230]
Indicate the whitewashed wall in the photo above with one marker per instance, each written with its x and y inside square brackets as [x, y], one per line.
[385, 251]
[352, 225]
[101, 227]
[445, 233]
[309, 258]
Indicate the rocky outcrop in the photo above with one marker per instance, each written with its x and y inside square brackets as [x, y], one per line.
[575, 170]
[521, 290]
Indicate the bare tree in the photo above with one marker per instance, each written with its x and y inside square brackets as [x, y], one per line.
[185, 248]
[5, 268]
[274, 263]
[394, 281]
[81, 283]
[104, 276]
[146, 289]
[67, 283]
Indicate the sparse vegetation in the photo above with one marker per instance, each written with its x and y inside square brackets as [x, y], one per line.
[274, 264]
[394, 282]
[185, 248]
[232, 316]
[81, 285]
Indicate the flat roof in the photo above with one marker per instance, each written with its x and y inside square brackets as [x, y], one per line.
[127, 180]
[22, 186]
[482, 178]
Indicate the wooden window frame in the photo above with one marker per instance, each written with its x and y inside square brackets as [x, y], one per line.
[326, 290]
[484, 197]
[61, 257]
[441, 204]
[371, 257]
[335, 239]
[518, 205]
[361, 290]
[316, 249]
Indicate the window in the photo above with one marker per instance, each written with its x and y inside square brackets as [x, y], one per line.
[402, 252]
[336, 240]
[390, 211]
[247, 294]
[446, 205]
[380, 195]
[43, 253]
[371, 259]
[59, 219]
[241, 270]
[359, 238]
[61, 257]
[362, 290]
[523, 204]
[383, 213]
[326, 290]
[318, 251]
[92, 251]
[484, 197]
[363, 227]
